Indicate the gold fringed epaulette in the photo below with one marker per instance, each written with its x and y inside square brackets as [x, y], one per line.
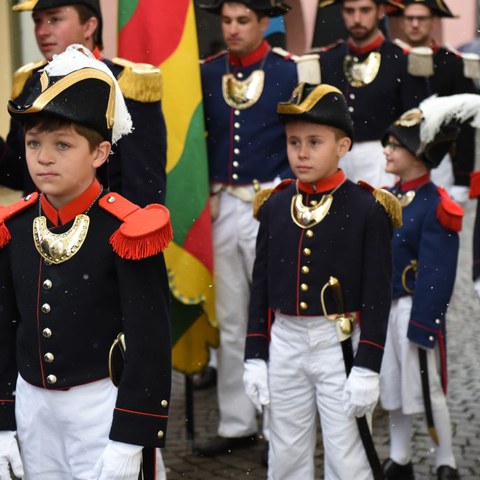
[8, 211]
[144, 232]
[259, 199]
[388, 201]
[449, 213]
[263, 195]
[21, 76]
[141, 82]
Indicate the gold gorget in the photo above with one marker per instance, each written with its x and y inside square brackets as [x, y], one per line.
[59, 247]
[306, 217]
[360, 73]
[242, 94]
[406, 198]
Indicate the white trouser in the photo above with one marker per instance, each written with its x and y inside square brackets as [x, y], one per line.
[62, 433]
[234, 237]
[400, 381]
[306, 373]
[366, 161]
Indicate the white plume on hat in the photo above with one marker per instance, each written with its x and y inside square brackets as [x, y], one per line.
[76, 57]
[438, 111]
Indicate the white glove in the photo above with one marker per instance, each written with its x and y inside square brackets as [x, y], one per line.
[119, 461]
[361, 392]
[9, 456]
[255, 380]
[459, 193]
[476, 286]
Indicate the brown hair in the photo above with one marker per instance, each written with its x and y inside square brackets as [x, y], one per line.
[49, 123]
[84, 14]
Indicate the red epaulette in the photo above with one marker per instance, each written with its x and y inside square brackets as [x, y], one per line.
[8, 211]
[326, 48]
[449, 213]
[212, 57]
[144, 231]
[474, 184]
[283, 184]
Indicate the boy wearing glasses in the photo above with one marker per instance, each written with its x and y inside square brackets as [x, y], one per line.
[418, 22]
[425, 252]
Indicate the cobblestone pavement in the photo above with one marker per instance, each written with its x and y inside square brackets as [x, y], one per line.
[463, 399]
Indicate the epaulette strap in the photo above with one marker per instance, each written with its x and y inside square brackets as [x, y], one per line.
[403, 45]
[9, 211]
[449, 213]
[213, 57]
[144, 232]
[21, 76]
[259, 199]
[474, 184]
[388, 201]
[283, 53]
[141, 82]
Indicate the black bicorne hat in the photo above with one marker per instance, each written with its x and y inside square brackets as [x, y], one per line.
[323, 104]
[76, 87]
[327, 3]
[270, 8]
[438, 7]
[36, 5]
[407, 131]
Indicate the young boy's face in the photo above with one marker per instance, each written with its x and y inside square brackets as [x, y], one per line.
[399, 160]
[61, 163]
[314, 150]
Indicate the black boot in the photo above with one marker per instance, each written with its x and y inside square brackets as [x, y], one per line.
[395, 471]
[445, 472]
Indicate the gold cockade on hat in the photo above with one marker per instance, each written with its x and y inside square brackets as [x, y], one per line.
[410, 118]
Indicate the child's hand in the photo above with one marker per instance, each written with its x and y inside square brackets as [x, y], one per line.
[361, 392]
[119, 461]
[255, 380]
[9, 456]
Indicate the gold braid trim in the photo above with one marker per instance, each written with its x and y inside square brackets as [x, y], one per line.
[21, 76]
[259, 199]
[391, 205]
[141, 82]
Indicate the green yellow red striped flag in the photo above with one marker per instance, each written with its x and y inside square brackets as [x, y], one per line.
[163, 33]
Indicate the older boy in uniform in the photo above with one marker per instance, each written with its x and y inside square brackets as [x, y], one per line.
[137, 169]
[78, 267]
[317, 233]
[425, 251]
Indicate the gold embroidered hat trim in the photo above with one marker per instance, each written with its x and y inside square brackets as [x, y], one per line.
[362, 73]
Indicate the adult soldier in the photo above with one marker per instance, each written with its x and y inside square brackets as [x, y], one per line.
[246, 150]
[372, 74]
[137, 169]
[418, 23]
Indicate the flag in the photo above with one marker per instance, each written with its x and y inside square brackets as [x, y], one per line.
[163, 33]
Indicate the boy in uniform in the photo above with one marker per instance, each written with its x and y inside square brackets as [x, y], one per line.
[80, 265]
[425, 252]
[323, 254]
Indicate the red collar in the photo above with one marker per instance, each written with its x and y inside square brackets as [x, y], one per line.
[324, 185]
[250, 58]
[415, 183]
[373, 45]
[97, 54]
[72, 209]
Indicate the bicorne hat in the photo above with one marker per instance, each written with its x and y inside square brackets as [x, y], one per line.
[438, 7]
[270, 8]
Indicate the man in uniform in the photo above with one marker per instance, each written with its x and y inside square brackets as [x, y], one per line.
[246, 150]
[372, 74]
[137, 168]
[419, 18]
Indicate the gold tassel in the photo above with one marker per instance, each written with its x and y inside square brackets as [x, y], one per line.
[391, 205]
[140, 81]
[21, 76]
[259, 199]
